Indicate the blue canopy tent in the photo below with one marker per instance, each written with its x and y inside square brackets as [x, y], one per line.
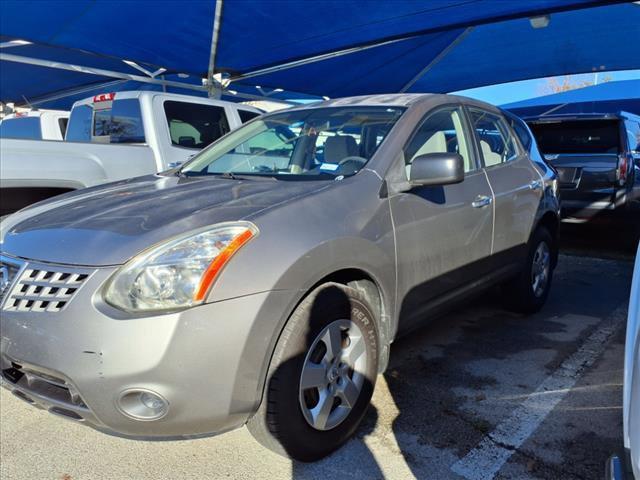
[608, 97]
[317, 48]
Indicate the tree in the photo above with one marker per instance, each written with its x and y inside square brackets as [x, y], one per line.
[570, 82]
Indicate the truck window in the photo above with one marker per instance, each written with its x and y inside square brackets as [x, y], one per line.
[578, 136]
[246, 115]
[21, 127]
[193, 125]
[126, 122]
[101, 123]
[62, 124]
[79, 126]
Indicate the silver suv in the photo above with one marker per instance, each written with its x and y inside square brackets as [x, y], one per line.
[263, 282]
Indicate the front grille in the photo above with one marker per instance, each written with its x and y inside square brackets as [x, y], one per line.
[8, 272]
[43, 289]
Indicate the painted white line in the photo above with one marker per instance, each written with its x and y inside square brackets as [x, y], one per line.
[488, 457]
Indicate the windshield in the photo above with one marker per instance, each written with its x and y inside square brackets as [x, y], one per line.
[310, 143]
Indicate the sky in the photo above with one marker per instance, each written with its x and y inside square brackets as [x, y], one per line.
[516, 91]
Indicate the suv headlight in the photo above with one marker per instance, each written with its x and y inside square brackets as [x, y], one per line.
[177, 273]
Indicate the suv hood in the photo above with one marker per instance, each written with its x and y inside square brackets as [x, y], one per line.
[109, 224]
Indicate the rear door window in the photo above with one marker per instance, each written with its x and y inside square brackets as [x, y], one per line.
[496, 140]
[21, 127]
[578, 136]
[193, 125]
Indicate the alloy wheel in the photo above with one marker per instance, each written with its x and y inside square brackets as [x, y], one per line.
[333, 375]
[540, 269]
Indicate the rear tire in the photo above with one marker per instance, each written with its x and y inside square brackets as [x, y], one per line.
[285, 422]
[528, 292]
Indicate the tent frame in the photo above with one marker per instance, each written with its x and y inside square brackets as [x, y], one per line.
[127, 76]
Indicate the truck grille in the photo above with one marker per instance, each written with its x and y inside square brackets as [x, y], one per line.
[43, 289]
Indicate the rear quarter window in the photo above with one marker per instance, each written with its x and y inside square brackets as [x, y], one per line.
[21, 127]
[521, 132]
[246, 115]
[62, 124]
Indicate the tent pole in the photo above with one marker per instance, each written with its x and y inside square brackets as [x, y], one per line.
[214, 88]
[74, 91]
[437, 59]
[313, 59]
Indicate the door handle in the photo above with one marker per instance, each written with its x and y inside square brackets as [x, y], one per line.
[535, 185]
[481, 201]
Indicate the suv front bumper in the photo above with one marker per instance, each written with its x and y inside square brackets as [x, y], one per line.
[207, 362]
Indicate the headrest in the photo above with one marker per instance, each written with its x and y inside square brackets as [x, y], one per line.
[437, 143]
[339, 147]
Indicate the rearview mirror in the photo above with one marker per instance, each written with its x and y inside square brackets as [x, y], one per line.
[437, 169]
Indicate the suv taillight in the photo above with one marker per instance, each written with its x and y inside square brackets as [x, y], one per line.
[624, 162]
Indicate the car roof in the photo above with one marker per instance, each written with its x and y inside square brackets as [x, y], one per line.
[393, 100]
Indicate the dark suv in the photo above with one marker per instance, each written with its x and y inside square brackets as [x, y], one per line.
[597, 157]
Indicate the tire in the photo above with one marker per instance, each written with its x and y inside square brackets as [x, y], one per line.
[283, 422]
[521, 294]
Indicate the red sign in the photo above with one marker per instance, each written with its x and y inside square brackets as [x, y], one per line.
[104, 97]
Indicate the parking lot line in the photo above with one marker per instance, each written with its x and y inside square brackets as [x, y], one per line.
[485, 460]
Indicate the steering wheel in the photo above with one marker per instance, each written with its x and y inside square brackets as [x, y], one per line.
[353, 158]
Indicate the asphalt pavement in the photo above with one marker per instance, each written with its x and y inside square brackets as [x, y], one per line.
[480, 393]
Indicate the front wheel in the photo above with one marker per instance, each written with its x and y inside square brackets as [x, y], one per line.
[321, 377]
[528, 292]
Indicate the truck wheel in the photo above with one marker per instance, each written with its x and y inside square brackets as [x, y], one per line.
[528, 292]
[321, 376]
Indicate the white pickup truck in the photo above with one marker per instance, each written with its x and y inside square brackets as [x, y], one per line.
[35, 125]
[111, 137]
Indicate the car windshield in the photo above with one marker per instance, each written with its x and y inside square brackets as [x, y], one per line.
[302, 144]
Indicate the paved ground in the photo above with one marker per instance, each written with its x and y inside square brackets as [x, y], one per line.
[480, 393]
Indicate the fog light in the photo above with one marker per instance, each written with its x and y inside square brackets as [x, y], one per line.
[143, 404]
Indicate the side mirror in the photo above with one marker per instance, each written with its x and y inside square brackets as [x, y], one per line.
[437, 169]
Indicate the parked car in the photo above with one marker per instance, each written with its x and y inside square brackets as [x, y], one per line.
[264, 281]
[35, 125]
[626, 466]
[597, 158]
[111, 137]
